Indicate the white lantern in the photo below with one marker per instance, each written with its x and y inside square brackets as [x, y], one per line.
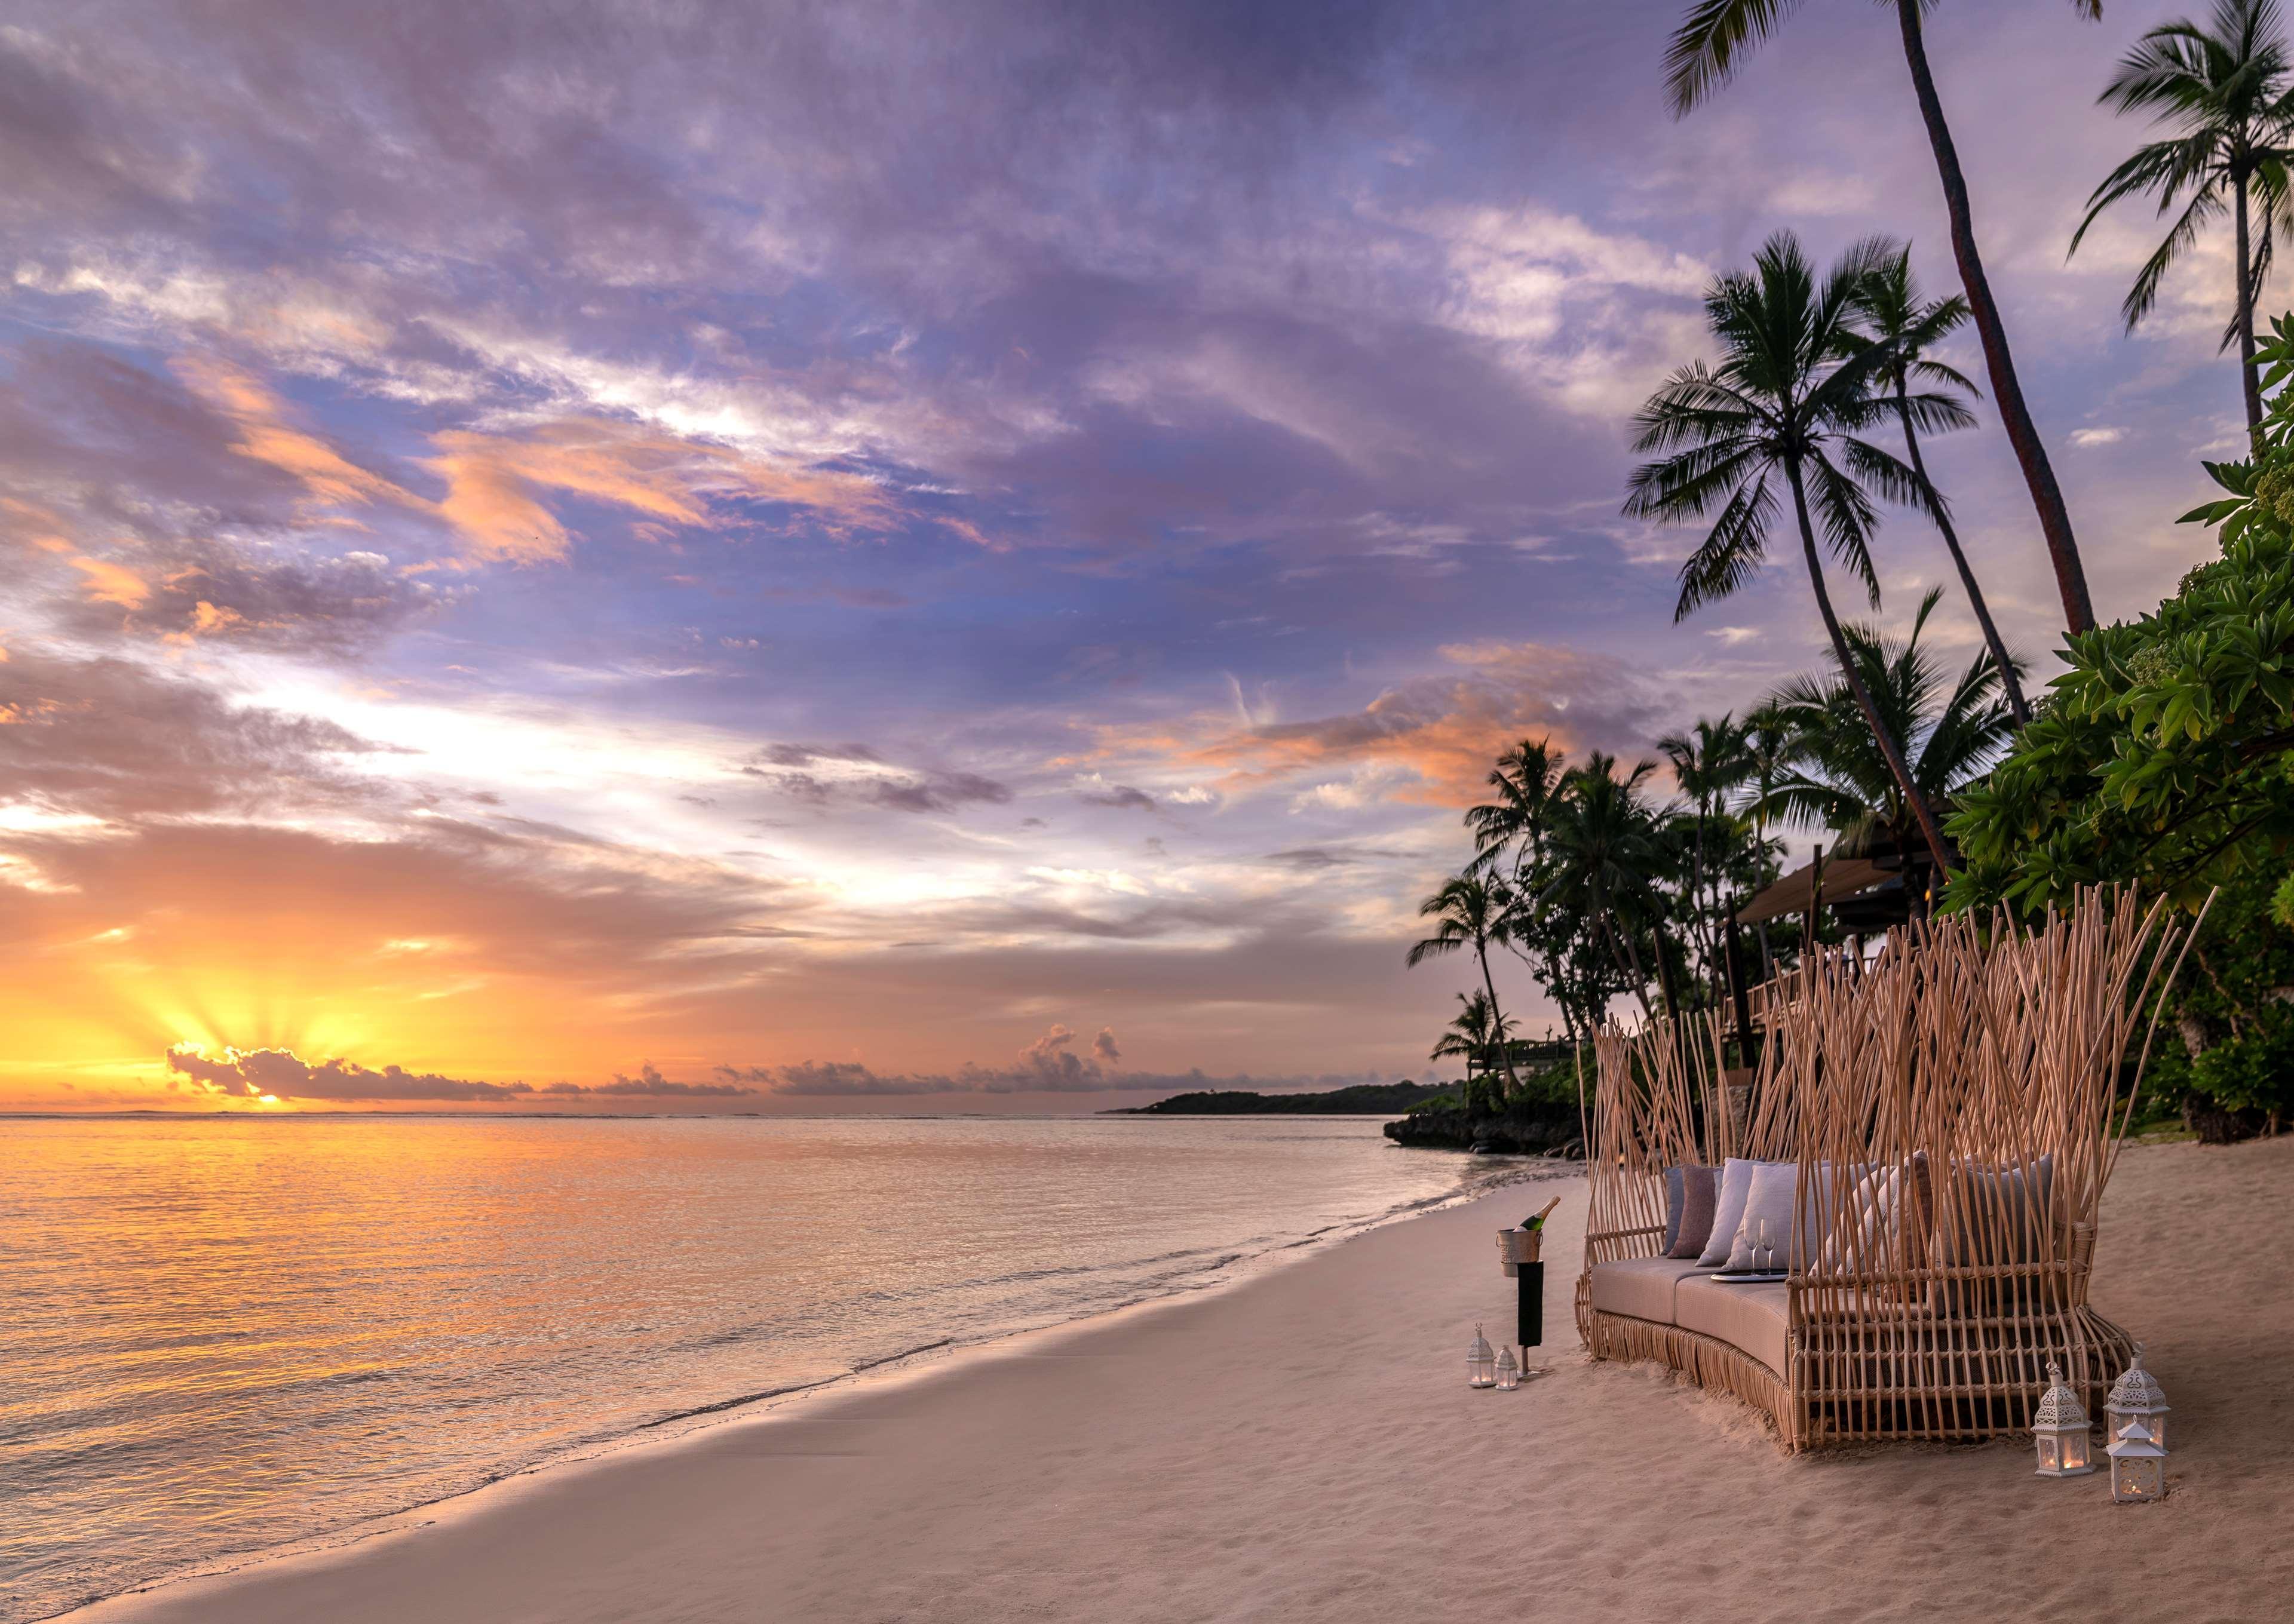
[1509, 1373]
[2138, 1465]
[2138, 1393]
[1481, 1364]
[2059, 1429]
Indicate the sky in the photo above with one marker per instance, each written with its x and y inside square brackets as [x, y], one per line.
[889, 556]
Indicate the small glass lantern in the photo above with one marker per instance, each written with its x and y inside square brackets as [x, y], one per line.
[2138, 1465]
[1481, 1364]
[2138, 1393]
[2059, 1429]
[1509, 1373]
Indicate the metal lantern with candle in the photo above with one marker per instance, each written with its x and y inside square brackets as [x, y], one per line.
[1509, 1372]
[2138, 1393]
[2138, 1465]
[2059, 1430]
[1481, 1362]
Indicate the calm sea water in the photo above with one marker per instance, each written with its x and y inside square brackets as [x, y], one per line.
[225, 1335]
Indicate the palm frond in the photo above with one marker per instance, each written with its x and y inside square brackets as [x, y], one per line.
[1732, 551]
[1848, 517]
[1711, 41]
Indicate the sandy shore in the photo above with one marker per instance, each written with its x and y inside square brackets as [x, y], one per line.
[1305, 1447]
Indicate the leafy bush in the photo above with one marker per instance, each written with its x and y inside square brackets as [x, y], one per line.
[2164, 756]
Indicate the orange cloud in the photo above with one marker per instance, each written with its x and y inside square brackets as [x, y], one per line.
[110, 583]
[499, 486]
[495, 485]
[1434, 736]
[266, 435]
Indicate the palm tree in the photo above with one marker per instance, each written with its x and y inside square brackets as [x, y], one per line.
[1477, 1034]
[1526, 780]
[2224, 89]
[1781, 401]
[1707, 48]
[1468, 912]
[1894, 314]
[1768, 744]
[1769, 741]
[1836, 777]
[1709, 762]
[1606, 848]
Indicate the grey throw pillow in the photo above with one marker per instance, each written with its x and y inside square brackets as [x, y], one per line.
[1764, 1231]
[1700, 1193]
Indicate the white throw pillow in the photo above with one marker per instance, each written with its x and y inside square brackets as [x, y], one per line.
[1768, 1201]
[1727, 1208]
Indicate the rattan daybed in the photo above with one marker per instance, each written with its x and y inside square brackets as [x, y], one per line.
[1969, 1071]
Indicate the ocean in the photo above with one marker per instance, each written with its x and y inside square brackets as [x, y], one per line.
[224, 1335]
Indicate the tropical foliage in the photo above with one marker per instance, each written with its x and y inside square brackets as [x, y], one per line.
[2162, 754]
[1835, 778]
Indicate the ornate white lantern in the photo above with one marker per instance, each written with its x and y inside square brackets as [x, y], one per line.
[1509, 1373]
[1481, 1363]
[2138, 1393]
[2059, 1430]
[2138, 1465]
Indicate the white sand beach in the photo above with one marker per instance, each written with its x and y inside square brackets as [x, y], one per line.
[1305, 1447]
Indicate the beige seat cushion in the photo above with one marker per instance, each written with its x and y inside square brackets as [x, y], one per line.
[1641, 1287]
[1753, 1318]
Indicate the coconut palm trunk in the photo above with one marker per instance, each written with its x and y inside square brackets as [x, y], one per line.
[2249, 377]
[1937, 511]
[1890, 747]
[2038, 473]
[1497, 1018]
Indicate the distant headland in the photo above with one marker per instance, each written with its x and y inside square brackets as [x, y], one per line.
[1362, 1100]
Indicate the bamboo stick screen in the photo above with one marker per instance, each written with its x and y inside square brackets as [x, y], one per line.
[1953, 1107]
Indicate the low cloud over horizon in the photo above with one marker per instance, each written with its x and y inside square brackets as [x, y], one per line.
[1047, 1066]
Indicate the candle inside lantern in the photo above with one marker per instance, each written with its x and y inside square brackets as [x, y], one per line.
[1481, 1362]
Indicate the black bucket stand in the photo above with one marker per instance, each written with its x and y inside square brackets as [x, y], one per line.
[1529, 1318]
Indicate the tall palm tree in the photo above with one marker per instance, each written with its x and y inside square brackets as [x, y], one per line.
[1955, 729]
[1894, 315]
[1469, 912]
[1477, 1033]
[2224, 88]
[1782, 401]
[1707, 48]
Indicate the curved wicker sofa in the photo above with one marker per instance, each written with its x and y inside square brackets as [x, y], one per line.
[1970, 1070]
